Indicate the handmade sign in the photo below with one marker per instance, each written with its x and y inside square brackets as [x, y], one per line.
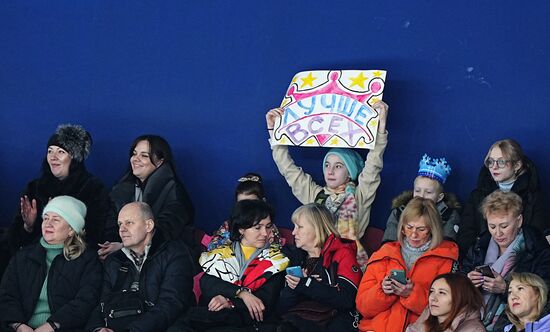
[331, 108]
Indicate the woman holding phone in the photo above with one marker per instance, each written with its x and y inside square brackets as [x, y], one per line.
[395, 288]
[508, 246]
[322, 283]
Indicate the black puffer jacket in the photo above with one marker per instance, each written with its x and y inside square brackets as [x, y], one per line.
[81, 185]
[167, 197]
[73, 287]
[535, 259]
[535, 213]
[165, 283]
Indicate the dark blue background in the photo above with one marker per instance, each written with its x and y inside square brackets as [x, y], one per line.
[460, 75]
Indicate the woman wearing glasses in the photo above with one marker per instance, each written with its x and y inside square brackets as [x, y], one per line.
[508, 169]
[395, 288]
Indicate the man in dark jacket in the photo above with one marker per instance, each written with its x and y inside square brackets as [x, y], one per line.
[148, 284]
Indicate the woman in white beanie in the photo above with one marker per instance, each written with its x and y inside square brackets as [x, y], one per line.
[54, 284]
[63, 173]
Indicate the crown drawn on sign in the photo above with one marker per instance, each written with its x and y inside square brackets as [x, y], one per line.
[435, 168]
[334, 86]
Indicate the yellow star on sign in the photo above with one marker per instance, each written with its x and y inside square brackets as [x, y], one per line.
[377, 73]
[361, 143]
[283, 140]
[308, 80]
[359, 80]
[374, 100]
[310, 141]
[334, 141]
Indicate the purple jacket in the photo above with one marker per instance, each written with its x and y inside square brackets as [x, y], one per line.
[541, 325]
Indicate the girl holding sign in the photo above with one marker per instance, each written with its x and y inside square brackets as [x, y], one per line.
[350, 184]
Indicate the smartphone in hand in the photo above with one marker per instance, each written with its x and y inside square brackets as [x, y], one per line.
[399, 276]
[485, 270]
[295, 271]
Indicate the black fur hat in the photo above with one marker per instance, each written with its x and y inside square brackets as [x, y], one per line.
[74, 139]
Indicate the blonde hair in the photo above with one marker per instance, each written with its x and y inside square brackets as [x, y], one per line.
[500, 202]
[74, 246]
[438, 185]
[539, 286]
[320, 218]
[511, 150]
[419, 207]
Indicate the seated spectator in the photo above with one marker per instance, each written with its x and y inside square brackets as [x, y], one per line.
[508, 169]
[148, 284]
[242, 280]
[249, 187]
[454, 305]
[151, 178]
[63, 173]
[527, 308]
[323, 297]
[54, 284]
[508, 246]
[432, 174]
[394, 290]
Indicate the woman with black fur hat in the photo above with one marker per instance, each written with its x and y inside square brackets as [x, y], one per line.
[63, 173]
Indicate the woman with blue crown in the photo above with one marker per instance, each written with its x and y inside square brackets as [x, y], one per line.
[432, 174]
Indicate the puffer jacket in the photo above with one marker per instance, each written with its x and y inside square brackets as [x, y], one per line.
[535, 212]
[73, 287]
[541, 325]
[168, 199]
[392, 313]
[81, 185]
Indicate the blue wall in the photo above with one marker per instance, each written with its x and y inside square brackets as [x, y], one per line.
[460, 75]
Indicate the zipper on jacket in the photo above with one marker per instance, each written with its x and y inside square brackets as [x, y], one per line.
[49, 287]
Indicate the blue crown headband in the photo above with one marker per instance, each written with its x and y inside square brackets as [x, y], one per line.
[436, 169]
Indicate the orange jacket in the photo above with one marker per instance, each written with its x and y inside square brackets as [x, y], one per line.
[391, 313]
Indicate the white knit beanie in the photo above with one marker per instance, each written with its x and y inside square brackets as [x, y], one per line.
[70, 209]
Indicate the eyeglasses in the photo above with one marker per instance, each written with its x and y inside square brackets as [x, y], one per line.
[501, 163]
[419, 229]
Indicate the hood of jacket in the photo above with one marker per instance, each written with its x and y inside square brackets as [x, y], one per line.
[402, 199]
[334, 244]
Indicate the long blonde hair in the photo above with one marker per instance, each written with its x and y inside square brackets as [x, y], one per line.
[74, 246]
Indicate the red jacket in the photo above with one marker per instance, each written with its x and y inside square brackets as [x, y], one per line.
[343, 252]
[391, 313]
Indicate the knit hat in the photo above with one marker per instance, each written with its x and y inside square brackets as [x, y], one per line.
[353, 161]
[74, 139]
[70, 209]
